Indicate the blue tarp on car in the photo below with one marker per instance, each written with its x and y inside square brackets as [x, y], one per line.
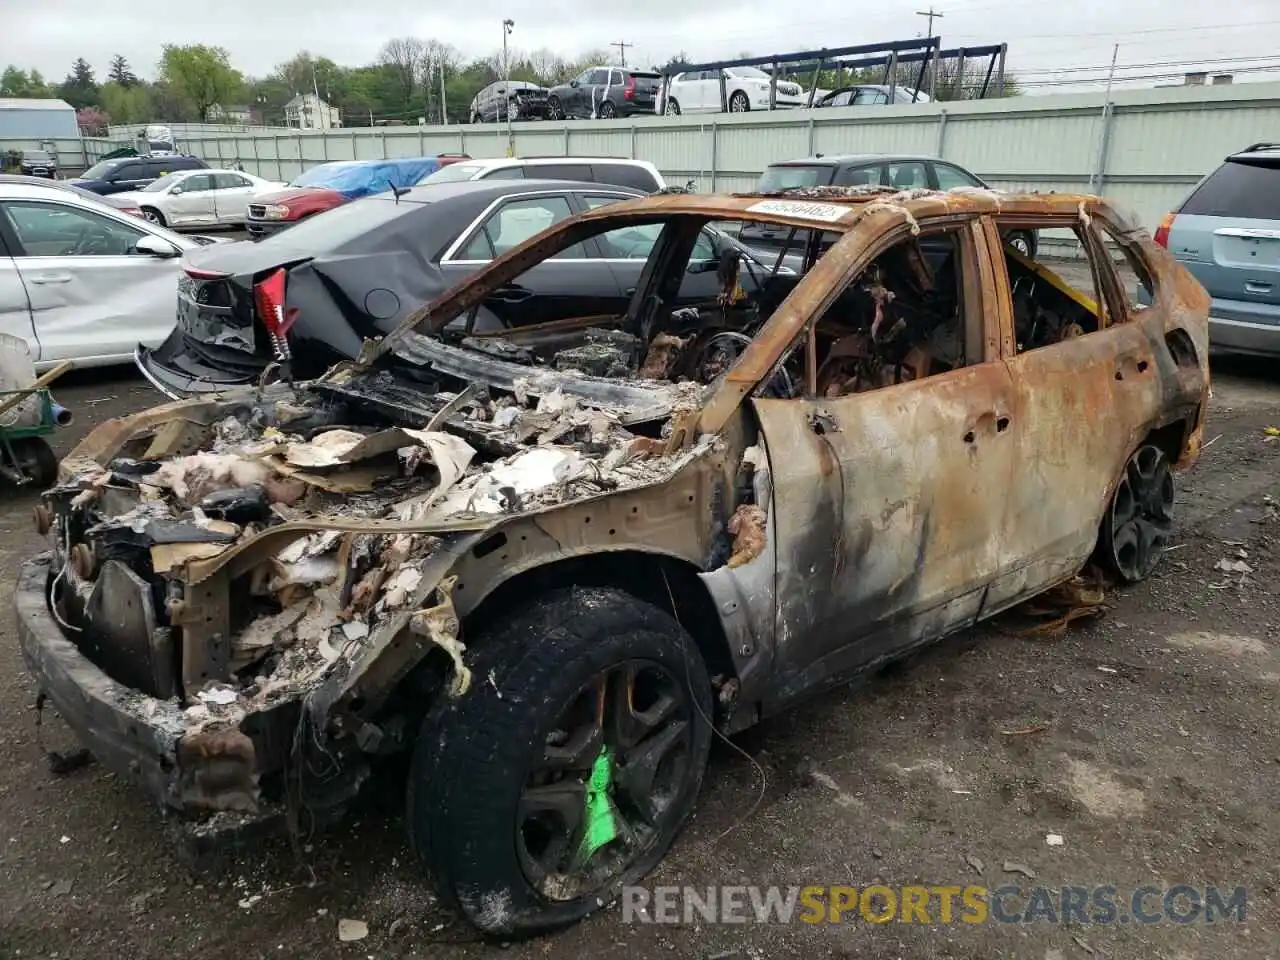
[360, 178]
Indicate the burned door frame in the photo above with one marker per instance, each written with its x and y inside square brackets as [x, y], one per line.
[1083, 405]
[887, 536]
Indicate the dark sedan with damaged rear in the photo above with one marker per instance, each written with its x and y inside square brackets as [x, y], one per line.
[309, 298]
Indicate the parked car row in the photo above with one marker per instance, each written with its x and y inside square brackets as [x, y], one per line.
[606, 92]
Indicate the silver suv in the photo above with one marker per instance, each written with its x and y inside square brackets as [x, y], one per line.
[1227, 233]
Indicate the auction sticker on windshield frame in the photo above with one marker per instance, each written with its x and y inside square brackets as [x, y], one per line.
[802, 210]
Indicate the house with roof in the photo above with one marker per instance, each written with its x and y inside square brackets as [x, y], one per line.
[307, 111]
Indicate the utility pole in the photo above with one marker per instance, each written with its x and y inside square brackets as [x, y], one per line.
[933, 66]
[507, 26]
[930, 13]
[444, 112]
[622, 50]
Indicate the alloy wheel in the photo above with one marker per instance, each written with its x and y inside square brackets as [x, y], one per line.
[1140, 522]
[606, 784]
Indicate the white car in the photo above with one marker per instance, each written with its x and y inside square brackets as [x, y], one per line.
[746, 88]
[611, 171]
[199, 198]
[82, 280]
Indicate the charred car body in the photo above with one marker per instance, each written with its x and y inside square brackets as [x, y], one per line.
[545, 561]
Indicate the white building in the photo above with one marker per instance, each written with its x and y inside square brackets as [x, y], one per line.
[308, 112]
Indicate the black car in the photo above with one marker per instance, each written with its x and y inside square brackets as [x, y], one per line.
[39, 163]
[605, 92]
[866, 170]
[521, 100]
[132, 173]
[315, 292]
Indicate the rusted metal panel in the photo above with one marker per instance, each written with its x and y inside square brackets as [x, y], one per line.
[890, 505]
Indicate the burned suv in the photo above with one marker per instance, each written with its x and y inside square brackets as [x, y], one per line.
[544, 563]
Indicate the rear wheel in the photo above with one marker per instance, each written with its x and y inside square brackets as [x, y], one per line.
[607, 110]
[673, 108]
[152, 215]
[739, 103]
[1139, 521]
[568, 768]
[555, 110]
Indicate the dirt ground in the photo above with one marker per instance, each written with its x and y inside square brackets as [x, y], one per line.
[1153, 751]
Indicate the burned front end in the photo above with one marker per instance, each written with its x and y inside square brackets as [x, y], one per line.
[247, 600]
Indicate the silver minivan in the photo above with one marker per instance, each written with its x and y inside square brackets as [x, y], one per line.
[1227, 233]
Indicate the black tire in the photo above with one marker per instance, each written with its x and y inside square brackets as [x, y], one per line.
[1138, 523]
[38, 461]
[607, 110]
[555, 110]
[152, 215]
[476, 118]
[471, 802]
[739, 102]
[672, 108]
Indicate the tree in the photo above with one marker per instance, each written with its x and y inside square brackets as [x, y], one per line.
[125, 104]
[79, 88]
[19, 83]
[92, 122]
[202, 75]
[404, 57]
[121, 73]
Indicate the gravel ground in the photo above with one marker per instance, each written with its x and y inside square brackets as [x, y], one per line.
[1154, 754]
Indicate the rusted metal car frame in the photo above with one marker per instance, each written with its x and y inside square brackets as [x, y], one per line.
[911, 511]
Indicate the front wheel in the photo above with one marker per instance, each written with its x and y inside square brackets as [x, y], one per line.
[1139, 520]
[739, 103]
[152, 215]
[607, 110]
[555, 110]
[568, 768]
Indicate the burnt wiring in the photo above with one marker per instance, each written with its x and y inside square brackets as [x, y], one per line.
[688, 680]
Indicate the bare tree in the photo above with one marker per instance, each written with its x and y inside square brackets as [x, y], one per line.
[405, 57]
[548, 65]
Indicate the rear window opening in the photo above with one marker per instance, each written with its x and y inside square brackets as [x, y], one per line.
[793, 175]
[1245, 188]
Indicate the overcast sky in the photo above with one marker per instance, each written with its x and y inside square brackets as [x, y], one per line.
[1045, 37]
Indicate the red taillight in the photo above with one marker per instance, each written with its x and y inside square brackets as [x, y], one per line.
[195, 273]
[629, 91]
[131, 211]
[268, 294]
[1162, 231]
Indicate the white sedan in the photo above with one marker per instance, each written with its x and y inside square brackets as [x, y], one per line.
[81, 280]
[745, 88]
[199, 198]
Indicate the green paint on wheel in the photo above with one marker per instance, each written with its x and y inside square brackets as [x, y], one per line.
[602, 824]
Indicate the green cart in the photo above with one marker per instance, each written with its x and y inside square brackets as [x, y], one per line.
[25, 454]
